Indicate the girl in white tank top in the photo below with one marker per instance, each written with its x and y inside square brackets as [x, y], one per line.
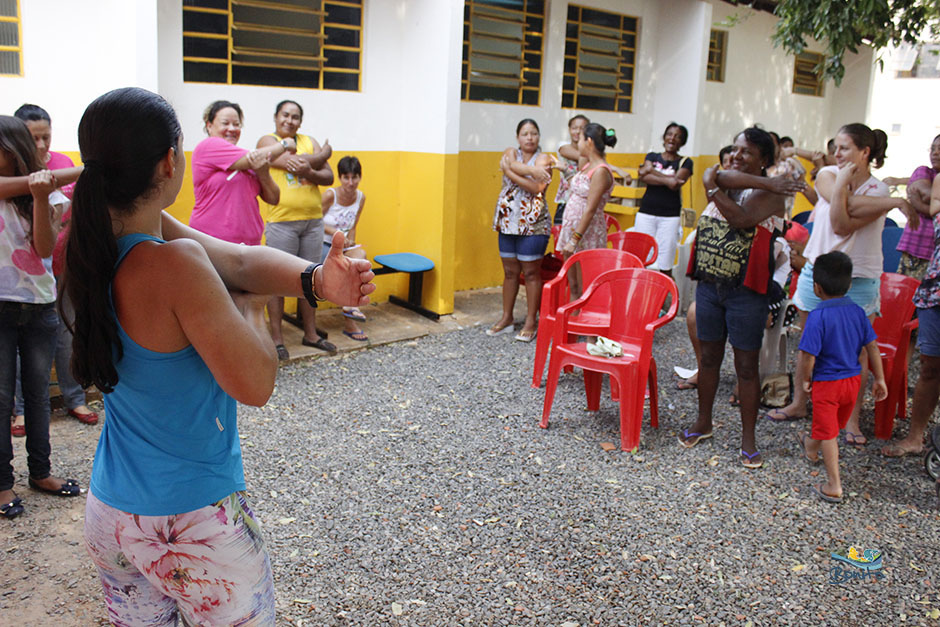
[342, 208]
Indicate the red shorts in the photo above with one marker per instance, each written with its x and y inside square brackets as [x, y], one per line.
[832, 405]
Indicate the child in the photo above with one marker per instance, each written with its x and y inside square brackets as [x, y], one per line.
[834, 336]
[342, 208]
[28, 319]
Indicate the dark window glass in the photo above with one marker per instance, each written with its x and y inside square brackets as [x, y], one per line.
[494, 94]
[572, 13]
[207, 4]
[571, 31]
[534, 24]
[628, 56]
[567, 100]
[337, 14]
[9, 62]
[341, 80]
[629, 41]
[627, 73]
[533, 61]
[570, 65]
[206, 48]
[9, 34]
[205, 23]
[600, 18]
[463, 71]
[629, 23]
[530, 97]
[253, 75]
[536, 6]
[567, 83]
[342, 59]
[602, 103]
[195, 72]
[8, 8]
[623, 105]
[571, 49]
[531, 79]
[341, 37]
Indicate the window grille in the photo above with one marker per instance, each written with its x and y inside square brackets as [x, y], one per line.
[11, 38]
[288, 43]
[717, 48]
[807, 80]
[502, 51]
[600, 60]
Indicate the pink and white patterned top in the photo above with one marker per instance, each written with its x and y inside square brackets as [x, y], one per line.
[595, 236]
[24, 278]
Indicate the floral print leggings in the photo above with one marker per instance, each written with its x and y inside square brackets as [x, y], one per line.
[208, 566]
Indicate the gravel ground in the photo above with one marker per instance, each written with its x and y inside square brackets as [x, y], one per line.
[410, 484]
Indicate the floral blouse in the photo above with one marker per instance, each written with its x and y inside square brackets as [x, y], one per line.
[519, 212]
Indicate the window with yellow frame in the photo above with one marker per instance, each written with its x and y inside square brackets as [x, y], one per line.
[807, 79]
[600, 60]
[316, 44]
[502, 51]
[717, 47]
[11, 38]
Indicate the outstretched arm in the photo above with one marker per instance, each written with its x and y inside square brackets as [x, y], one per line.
[759, 205]
[13, 186]
[265, 270]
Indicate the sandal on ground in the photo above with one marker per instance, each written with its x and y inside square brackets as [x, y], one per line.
[495, 330]
[894, 449]
[857, 440]
[12, 509]
[801, 438]
[69, 487]
[683, 384]
[818, 489]
[322, 344]
[778, 415]
[282, 353]
[734, 400]
[322, 333]
[689, 439]
[18, 431]
[525, 336]
[354, 314]
[751, 460]
[359, 336]
[91, 418]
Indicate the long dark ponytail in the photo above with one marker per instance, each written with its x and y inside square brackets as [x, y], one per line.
[123, 135]
[17, 143]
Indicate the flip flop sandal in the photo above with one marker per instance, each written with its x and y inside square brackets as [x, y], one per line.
[322, 344]
[494, 331]
[858, 440]
[685, 385]
[689, 439]
[734, 400]
[826, 497]
[747, 459]
[18, 431]
[354, 314]
[525, 336]
[12, 509]
[282, 353]
[358, 336]
[69, 487]
[801, 438]
[774, 416]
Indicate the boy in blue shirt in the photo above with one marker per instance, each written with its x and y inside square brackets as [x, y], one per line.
[834, 336]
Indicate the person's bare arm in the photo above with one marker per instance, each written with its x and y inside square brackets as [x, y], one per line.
[41, 184]
[918, 194]
[270, 192]
[935, 197]
[529, 185]
[804, 367]
[351, 236]
[759, 206]
[13, 186]
[266, 154]
[265, 270]
[878, 389]
[569, 152]
[734, 179]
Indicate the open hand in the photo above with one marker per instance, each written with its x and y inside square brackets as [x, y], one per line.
[785, 184]
[344, 281]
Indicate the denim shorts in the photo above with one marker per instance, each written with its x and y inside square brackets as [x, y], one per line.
[866, 293]
[736, 313]
[928, 333]
[522, 247]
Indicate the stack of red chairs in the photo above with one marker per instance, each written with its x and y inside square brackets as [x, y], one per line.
[640, 244]
[634, 297]
[893, 329]
[557, 292]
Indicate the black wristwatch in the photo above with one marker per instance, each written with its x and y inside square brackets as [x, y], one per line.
[306, 282]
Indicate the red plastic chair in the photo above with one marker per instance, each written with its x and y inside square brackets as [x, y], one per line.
[635, 298]
[557, 292]
[640, 244]
[893, 329]
[611, 222]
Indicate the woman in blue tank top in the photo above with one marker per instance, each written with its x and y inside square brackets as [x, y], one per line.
[169, 325]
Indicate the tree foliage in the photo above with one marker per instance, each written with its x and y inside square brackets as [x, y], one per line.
[843, 25]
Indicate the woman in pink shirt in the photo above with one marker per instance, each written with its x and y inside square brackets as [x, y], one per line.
[227, 180]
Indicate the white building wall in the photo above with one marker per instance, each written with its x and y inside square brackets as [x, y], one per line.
[906, 109]
[492, 126]
[409, 71]
[75, 51]
[758, 88]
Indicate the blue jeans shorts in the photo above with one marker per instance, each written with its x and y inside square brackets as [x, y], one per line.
[866, 293]
[522, 247]
[736, 313]
[928, 333]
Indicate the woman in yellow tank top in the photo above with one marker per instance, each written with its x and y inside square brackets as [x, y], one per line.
[295, 224]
